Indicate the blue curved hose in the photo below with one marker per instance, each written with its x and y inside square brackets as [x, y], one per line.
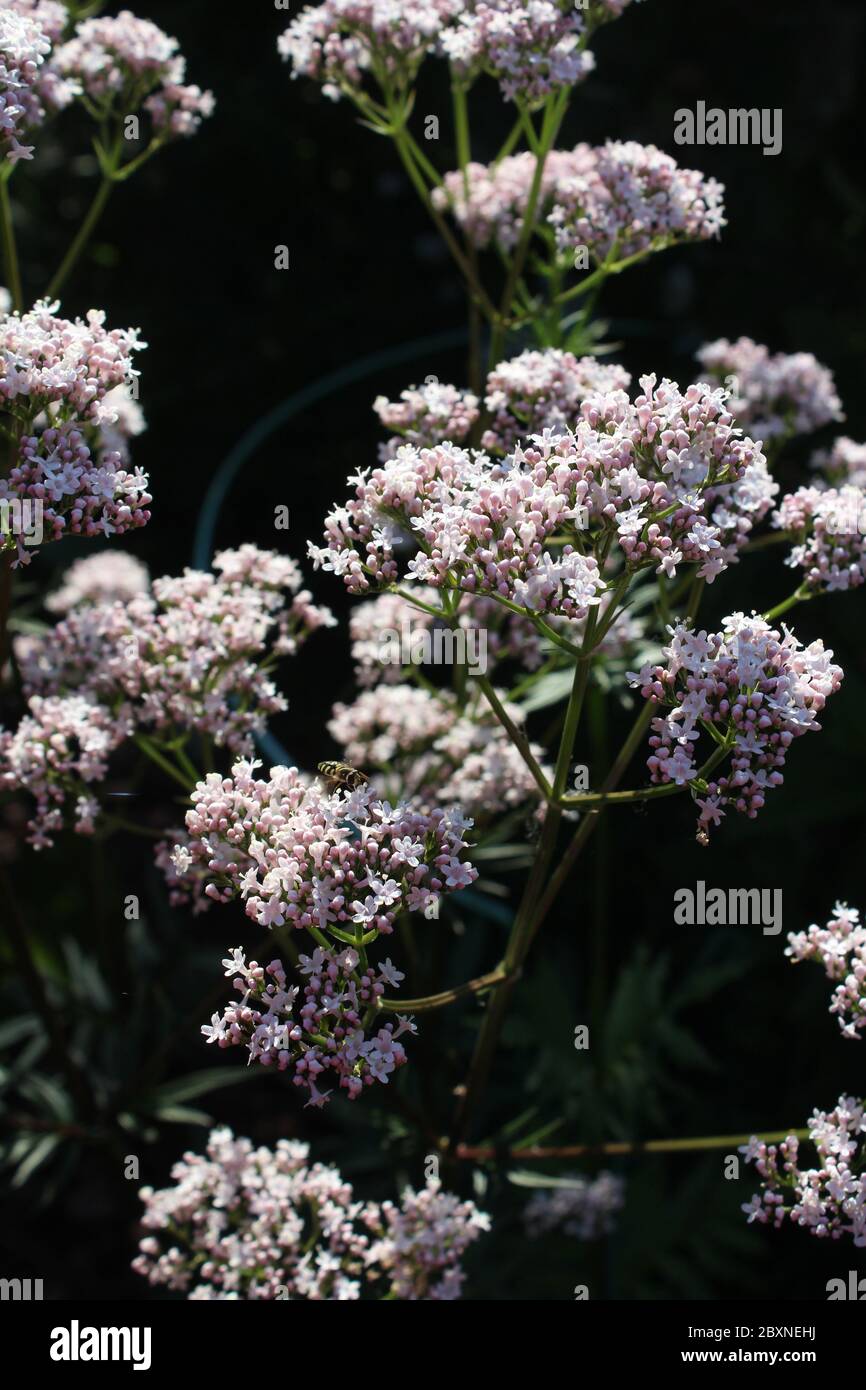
[223, 479]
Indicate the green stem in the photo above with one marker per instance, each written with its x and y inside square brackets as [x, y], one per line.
[481, 1152]
[510, 141]
[447, 996]
[152, 752]
[800, 595]
[523, 929]
[404, 149]
[82, 237]
[599, 275]
[591, 820]
[553, 114]
[518, 736]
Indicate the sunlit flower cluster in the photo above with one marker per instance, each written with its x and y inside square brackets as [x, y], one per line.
[110, 576]
[424, 745]
[829, 527]
[772, 395]
[64, 367]
[64, 385]
[421, 1242]
[581, 1207]
[840, 946]
[340, 42]
[427, 415]
[635, 198]
[63, 490]
[531, 47]
[844, 463]
[540, 391]
[477, 526]
[617, 200]
[121, 63]
[254, 1223]
[24, 46]
[189, 656]
[323, 1036]
[298, 854]
[829, 1200]
[669, 475]
[757, 689]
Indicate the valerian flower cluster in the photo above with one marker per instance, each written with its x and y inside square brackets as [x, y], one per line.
[189, 655]
[773, 395]
[752, 690]
[115, 66]
[530, 47]
[30, 86]
[667, 478]
[325, 1037]
[119, 63]
[584, 1208]
[828, 1200]
[618, 201]
[59, 385]
[840, 946]
[435, 751]
[341, 866]
[254, 1223]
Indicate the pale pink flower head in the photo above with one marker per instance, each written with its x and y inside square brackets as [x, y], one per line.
[48, 363]
[840, 946]
[109, 576]
[772, 395]
[759, 688]
[121, 63]
[829, 530]
[64, 382]
[427, 415]
[828, 1200]
[24, 46]
[421, 1242]
[620, 199]
[320, 859]
[236, 1223]
[424, 745]
[844, 463]
[634, 199]
[531, 47]
[542, 390]
[178, 656]
[340, 43]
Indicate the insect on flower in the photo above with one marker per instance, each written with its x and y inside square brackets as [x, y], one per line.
[342, 775]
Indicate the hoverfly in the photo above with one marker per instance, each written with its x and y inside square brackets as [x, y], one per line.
[339, 775]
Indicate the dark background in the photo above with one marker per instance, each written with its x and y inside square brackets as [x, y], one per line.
[186, 251]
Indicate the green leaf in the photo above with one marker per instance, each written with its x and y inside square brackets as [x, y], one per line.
[199, 1083]
[40, 1150]
[182, 1115]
